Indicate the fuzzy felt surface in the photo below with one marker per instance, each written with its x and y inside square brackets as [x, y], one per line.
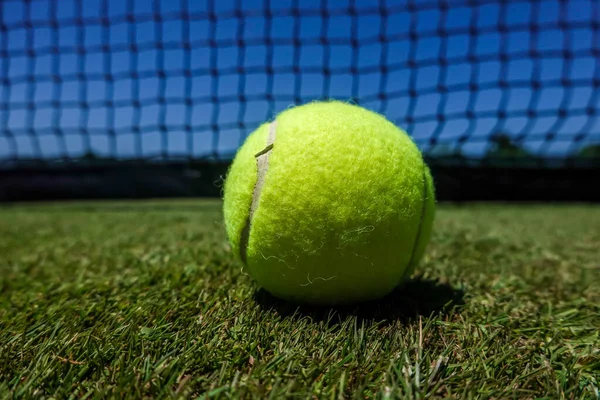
[345, 210]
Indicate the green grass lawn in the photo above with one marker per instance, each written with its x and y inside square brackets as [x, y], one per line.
[144, 299]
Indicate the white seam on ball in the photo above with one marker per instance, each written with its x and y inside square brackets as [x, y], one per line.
[262, 163]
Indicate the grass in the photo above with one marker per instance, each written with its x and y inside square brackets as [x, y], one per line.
[144, 299]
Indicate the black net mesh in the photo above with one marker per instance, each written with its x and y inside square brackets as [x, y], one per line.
[472, 81]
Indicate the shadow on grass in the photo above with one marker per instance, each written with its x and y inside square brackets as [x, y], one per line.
[415, 297]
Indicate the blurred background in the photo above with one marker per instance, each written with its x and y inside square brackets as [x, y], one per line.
[142, 98]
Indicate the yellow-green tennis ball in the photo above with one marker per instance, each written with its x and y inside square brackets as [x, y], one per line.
[328, 204]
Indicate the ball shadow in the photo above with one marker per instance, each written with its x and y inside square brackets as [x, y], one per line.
[415, 297]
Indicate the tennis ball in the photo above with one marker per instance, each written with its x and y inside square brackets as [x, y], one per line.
[328, 204]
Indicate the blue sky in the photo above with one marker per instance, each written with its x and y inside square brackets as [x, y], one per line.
[230, 92]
